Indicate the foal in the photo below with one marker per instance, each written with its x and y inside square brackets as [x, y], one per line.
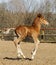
[34, 31]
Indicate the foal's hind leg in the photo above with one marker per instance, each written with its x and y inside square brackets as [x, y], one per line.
[19, 51]
[17, 44]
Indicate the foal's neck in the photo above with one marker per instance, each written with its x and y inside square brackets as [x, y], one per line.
[36, 25]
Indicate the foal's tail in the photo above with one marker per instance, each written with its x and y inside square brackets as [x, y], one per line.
[16, 34]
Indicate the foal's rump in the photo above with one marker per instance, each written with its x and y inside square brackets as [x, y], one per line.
[21, 31]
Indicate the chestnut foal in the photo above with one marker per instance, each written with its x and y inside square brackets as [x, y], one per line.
[34, 31]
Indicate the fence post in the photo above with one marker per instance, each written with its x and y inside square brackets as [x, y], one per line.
[42, 36]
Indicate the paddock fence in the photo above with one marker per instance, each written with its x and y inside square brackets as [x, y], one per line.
[46, 35]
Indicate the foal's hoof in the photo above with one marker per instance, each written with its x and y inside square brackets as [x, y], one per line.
[24, 57]
[32, 57]
[19, 55]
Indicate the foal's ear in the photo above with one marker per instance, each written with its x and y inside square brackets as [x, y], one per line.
[39, 15]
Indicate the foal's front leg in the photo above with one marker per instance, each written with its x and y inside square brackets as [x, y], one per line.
[35, 50]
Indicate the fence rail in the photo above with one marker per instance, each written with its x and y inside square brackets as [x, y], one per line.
[48, 38]
[43, 37]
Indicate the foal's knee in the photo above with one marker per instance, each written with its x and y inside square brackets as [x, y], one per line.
[15, 42]
[38, 41]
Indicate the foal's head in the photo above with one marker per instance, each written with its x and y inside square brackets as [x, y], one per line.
[42, 19]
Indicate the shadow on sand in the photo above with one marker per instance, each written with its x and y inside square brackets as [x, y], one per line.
[17, 58]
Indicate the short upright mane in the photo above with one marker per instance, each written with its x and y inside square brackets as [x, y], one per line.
[37, 18]
[39, 15]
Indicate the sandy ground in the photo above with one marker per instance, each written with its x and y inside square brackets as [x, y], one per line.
[46, 54]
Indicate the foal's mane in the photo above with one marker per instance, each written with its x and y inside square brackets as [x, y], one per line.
[37, 17]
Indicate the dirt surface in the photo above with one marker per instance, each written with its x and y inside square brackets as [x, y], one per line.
[46, 54]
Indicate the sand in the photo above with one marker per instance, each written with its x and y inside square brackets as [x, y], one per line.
[46, 54]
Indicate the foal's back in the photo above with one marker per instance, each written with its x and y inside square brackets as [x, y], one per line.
[26, 30]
